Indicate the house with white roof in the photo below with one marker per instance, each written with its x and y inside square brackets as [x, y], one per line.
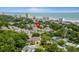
[30, 48]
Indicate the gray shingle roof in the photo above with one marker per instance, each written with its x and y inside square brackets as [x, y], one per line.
[34, 39]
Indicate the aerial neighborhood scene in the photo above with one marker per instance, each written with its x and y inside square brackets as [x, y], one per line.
[39, 29]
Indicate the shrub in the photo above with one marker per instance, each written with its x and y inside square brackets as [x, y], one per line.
[35, 35]
[52, 47]
[61, 42]
[71, 49]
[39, 50]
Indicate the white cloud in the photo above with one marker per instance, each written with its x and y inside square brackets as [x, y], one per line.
[35, 9]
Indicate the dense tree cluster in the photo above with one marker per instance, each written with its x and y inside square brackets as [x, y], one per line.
[23, 23]
[69, 31]
[12, 41]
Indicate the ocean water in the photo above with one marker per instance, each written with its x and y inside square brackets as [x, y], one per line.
[68, 16]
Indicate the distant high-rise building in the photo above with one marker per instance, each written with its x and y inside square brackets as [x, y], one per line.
[28, 15]
[34, 17]
[17, 16]
[60, 20]
[2, 13]
[45, 18]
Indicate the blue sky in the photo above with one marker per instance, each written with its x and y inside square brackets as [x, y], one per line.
[39, 9]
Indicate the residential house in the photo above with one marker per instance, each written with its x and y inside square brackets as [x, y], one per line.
[34, 40]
